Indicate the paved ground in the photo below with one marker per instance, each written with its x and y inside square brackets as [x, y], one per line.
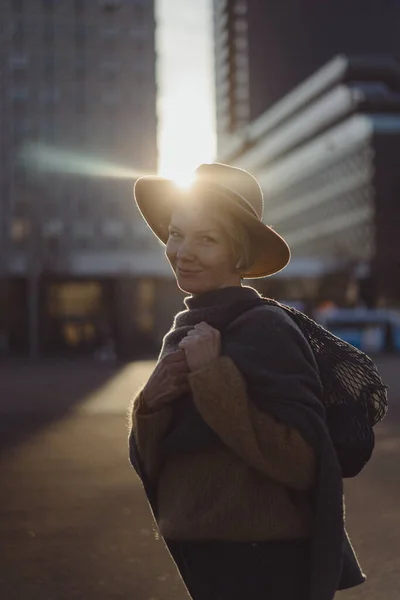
[73, 520]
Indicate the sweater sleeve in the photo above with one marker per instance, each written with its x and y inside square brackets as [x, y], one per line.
[147, 428]
[266, 354]
[279, 451]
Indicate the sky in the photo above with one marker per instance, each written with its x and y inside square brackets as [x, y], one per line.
[186, 86]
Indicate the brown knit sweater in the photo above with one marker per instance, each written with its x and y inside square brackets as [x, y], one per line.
[252, 485]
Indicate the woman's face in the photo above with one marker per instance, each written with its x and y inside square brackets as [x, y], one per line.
[199, 252]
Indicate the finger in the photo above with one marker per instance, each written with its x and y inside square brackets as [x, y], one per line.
[203, 326]
[175, 356]
[181, 367]
[185, 342]
[195, 333]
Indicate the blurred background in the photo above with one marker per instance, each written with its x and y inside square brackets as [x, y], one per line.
[305, 94]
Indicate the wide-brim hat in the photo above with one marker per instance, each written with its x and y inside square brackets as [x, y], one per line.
[235, 190]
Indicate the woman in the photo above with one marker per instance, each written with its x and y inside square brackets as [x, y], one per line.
[228, 434]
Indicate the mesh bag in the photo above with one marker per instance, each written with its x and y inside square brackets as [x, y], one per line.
[355, 396]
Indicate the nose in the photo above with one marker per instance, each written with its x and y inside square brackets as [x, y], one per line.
[185, 251]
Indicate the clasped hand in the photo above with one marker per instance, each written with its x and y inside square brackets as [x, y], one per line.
[202, 345]
[169, 380]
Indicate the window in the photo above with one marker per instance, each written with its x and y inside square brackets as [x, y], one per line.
[19, 230]
[53, 228]
[110, 32]
[110, 5]
[241, 25]
[19, 93]
[113, 229]
[240, 7]
[50, 95]
[18, 61]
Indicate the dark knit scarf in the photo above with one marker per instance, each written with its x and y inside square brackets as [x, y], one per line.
[297, 403]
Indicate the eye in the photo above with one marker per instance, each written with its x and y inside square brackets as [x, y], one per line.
[174, 234]
[208, 238]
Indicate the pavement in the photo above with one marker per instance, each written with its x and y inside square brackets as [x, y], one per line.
[74, 522]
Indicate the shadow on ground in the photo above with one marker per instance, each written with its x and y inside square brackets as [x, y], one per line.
[32, 396]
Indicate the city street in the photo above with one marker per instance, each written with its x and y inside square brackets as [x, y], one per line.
[74, 523]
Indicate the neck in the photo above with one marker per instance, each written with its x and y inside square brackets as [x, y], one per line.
[222, 296]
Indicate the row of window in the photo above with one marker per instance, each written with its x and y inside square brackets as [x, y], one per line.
[81, 31]
[112, 229]
[78, 5]
[52, 96]
[21, 62]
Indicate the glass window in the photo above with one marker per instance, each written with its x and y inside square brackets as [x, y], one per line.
[240, 7]
[50, 95]
[110, 5]
[19, 230]
[110, 32]
[18, 61]
[19, 93]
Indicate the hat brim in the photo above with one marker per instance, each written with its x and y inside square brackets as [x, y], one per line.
[156, 198]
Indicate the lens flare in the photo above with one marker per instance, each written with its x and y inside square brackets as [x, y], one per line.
[39, 157]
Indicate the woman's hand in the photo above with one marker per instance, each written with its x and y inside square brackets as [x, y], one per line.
[168, 381]
[202, 345]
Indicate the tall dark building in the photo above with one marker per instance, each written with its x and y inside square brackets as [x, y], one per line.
[263, 49]
[77, 264]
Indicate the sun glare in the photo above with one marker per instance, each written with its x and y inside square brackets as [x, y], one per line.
[186, 137]
[183, 179]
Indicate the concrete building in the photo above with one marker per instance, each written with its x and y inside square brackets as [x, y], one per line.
[321, 133]
[265, 49]
[76, 76]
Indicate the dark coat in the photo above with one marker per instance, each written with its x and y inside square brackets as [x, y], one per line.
[264, 343]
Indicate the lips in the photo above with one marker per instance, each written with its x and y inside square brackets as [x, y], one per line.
[187, 273]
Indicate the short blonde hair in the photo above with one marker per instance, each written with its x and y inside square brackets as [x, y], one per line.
[239, 238]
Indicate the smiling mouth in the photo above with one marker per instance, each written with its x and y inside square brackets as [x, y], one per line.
[183, 272]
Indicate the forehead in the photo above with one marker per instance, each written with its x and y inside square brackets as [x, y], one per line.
[194, 218]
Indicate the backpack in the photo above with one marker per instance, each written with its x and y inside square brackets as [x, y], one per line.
[355, 397]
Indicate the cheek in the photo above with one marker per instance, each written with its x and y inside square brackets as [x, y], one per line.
[221, 261]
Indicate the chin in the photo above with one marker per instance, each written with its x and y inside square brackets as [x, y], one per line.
[193, 289]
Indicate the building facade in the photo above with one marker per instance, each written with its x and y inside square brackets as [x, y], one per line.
[265, 49]
[321, 131]
[76, 77]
